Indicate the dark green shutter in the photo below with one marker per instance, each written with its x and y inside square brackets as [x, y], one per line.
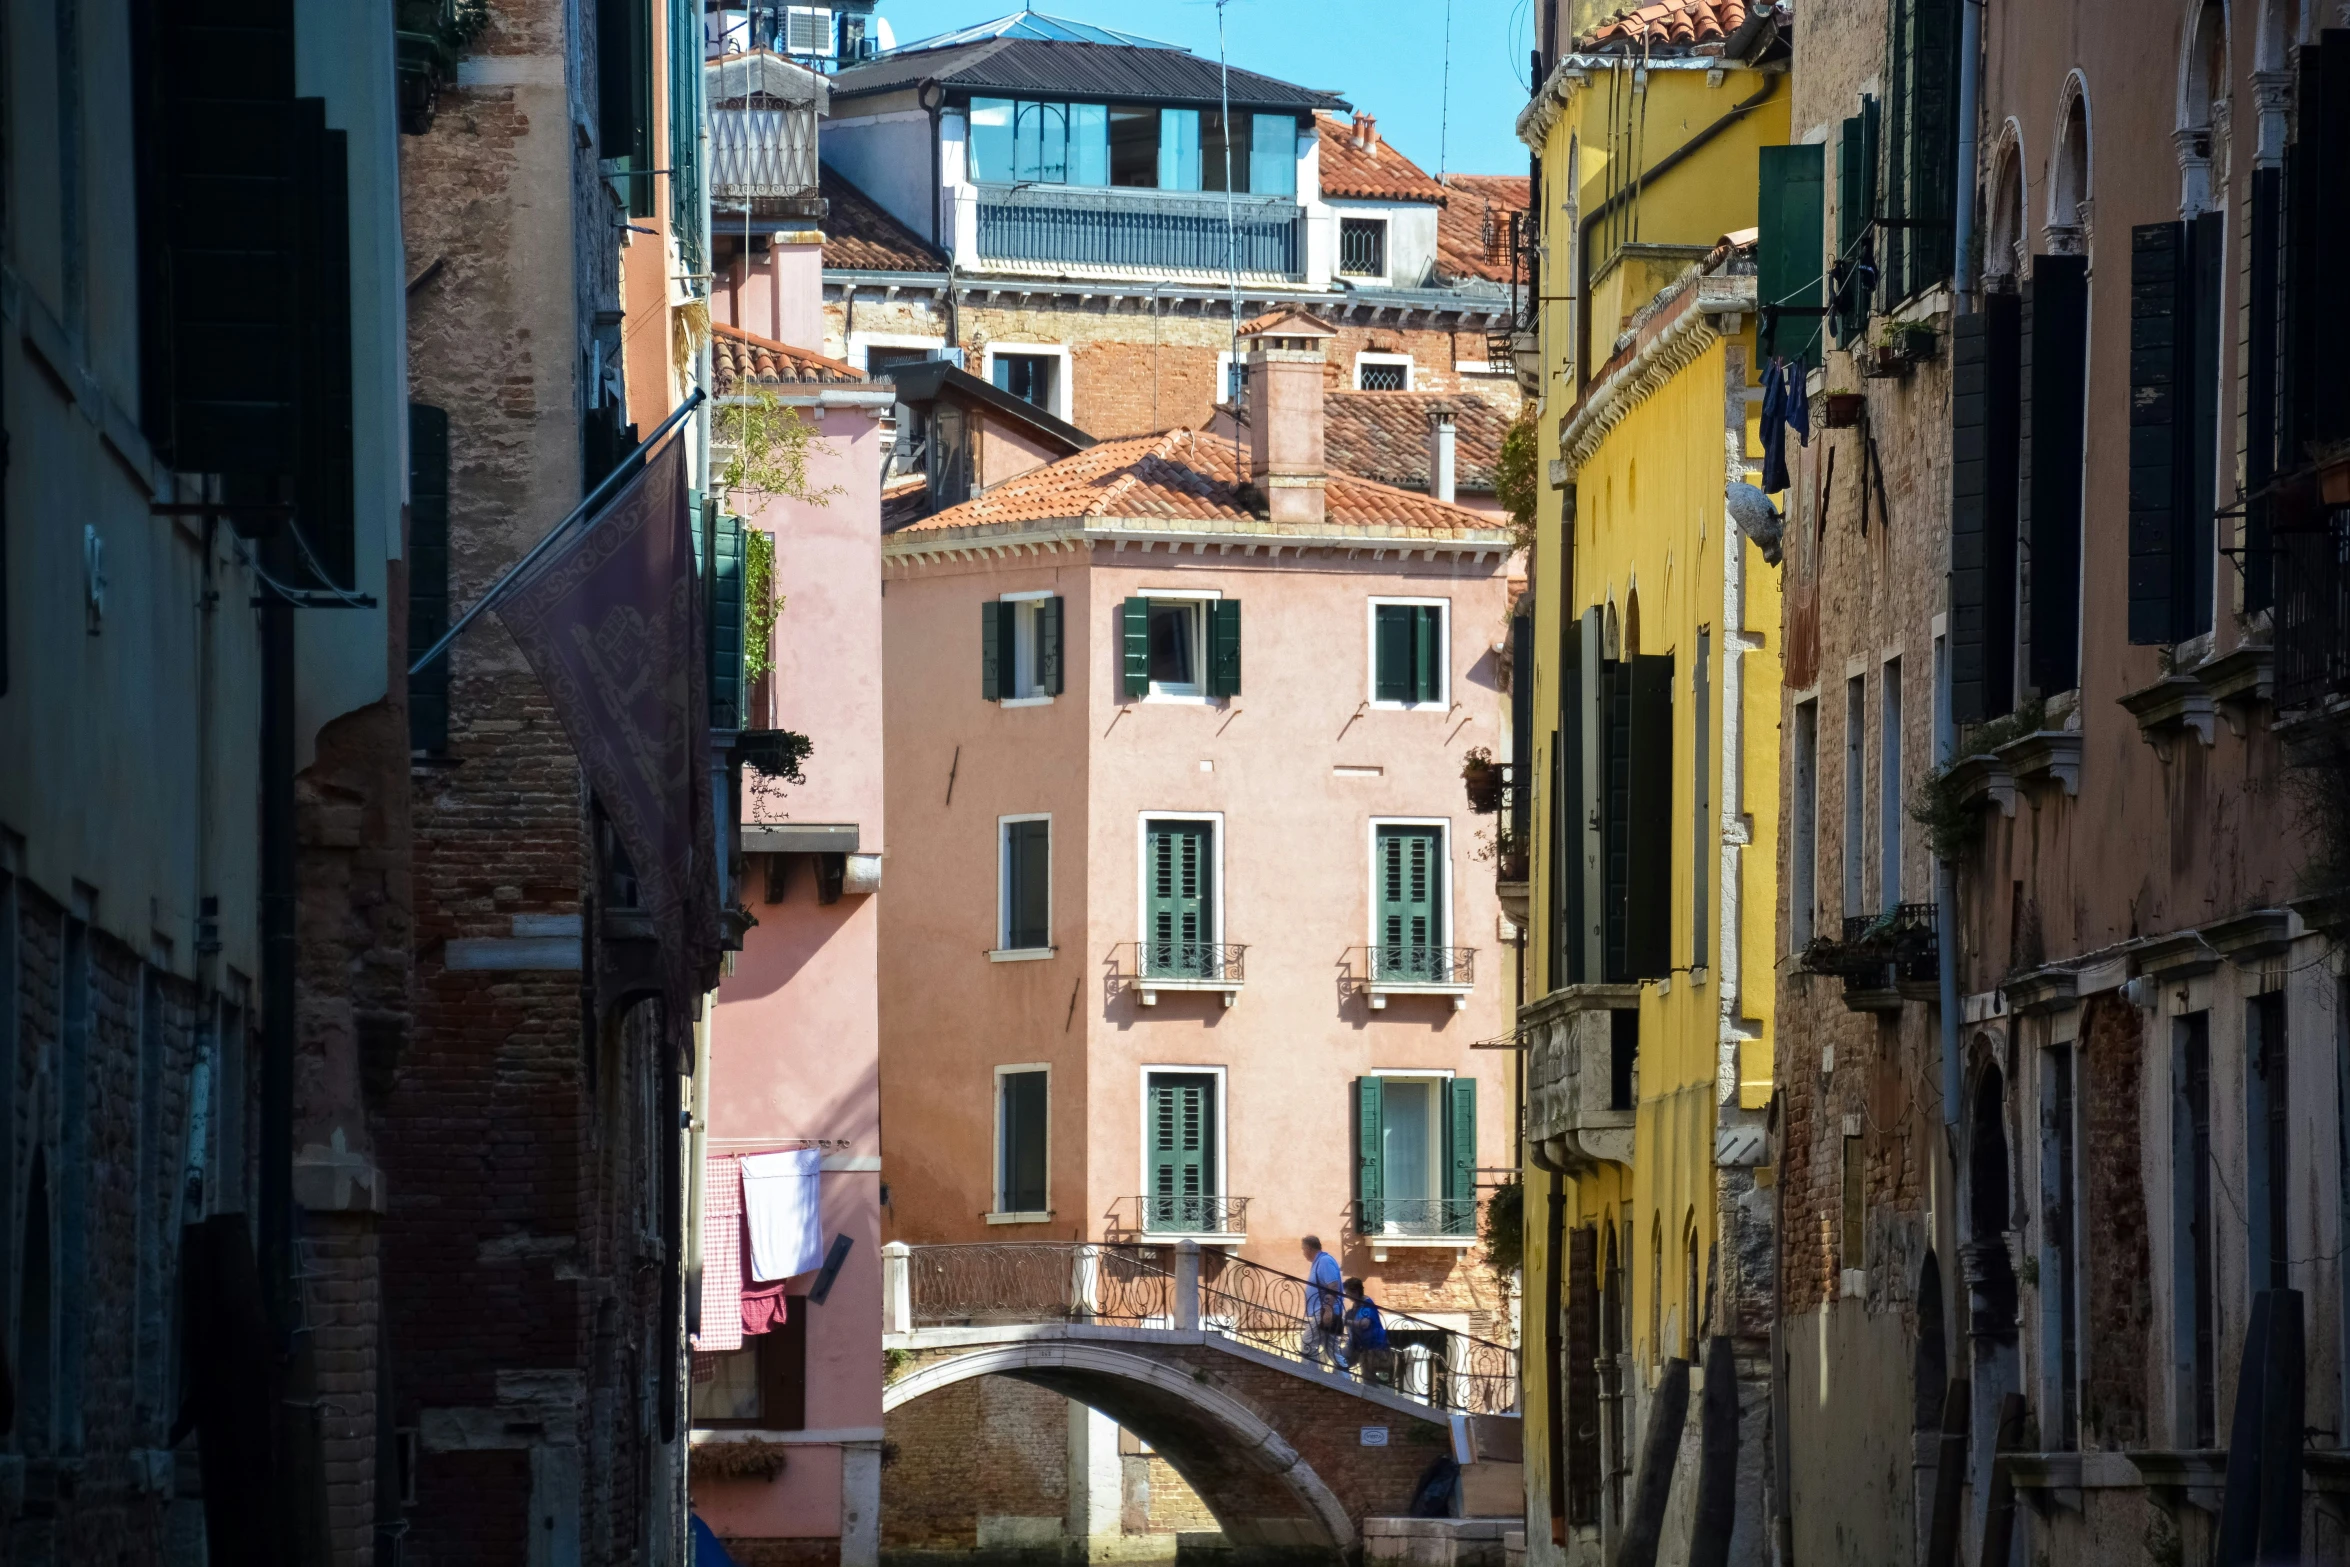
[1370, 1173]
[1392, 651]
[624, 96]
[1182, 1152]
[995, 653]
[1027, 890]
[1856, 208]
[1049, 670]
[1224, 647]
[2262, 384]
[2060, 345]
[1134, 645]
[428, 573]
[1986, 389]
[2156, 427]
[1615, 816]
[1701, 774]
[1648, 806]
[726, 623]
[1792, 216]
[1460, 1157]
[1932, 178]
[1179, 910]
[1025, 1143]
[1410, 914]
[1427, 652]
[2203, 307]
[1567, 815]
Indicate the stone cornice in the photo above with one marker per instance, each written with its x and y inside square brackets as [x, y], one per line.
[1144, 536]
[1666, 344]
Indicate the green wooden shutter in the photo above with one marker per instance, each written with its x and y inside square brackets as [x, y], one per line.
[1702, 864]
[1134, 644]
[1932, 177]
[1410, 914]
[1182, 1152]
[995, 653]
[1970, 396]
[428, 573]
[1370, 1174]
[1048, 646]
[1392, 653]
[1856, 205]
[1893, 192]
[2204, 310]
[1224, 647]
[1427, 652]
[1648, 804]
[726, 623]
[1021, 1182]
[2156, 428]
[2263, 383]
[2060, 344]
[1460, 1157]
[1179, 900]
[1027, 888]
[1791, 212]
[1615, 816]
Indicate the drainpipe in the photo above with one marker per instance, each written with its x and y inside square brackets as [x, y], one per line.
[277, 958]
[1946, 899]
[1962, 226]
[1629, 192]
[931, 96]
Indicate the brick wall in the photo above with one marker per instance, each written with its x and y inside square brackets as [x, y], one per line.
[2120, 1309]
[989, 1445]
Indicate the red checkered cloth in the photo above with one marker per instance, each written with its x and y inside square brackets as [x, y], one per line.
[722, 1255]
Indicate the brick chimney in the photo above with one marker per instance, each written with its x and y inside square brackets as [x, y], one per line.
[1286, 456]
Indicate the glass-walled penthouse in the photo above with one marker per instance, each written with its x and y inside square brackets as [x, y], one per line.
[1042, 142]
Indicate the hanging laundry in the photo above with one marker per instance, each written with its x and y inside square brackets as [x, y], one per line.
[765, 1308]
[1799, 404]
[722, 1256]
[1786, 403]
[780, 1203]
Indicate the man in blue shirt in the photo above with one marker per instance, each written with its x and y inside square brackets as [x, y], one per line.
[1325, 1309]
[1367, 1349]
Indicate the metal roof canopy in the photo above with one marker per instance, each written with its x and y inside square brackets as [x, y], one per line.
[1055, 68]
[1036, 24]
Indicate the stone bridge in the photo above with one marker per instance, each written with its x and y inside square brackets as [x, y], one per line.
[1290, 1457]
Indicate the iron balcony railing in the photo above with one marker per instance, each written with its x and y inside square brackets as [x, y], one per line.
[1157, 231]
[1880, 952]
[1409, 964]
[2313, 611]
[762, 155]
[1168, 1214]
[1410, 1216]
[1202, 960]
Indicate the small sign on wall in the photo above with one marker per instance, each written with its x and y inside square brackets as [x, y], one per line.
[1374, 1436]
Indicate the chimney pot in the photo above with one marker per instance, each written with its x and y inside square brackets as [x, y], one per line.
[1440, 452]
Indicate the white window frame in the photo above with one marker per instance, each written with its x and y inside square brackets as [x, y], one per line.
[1142, 1109]
[1443, 701]
[1149, 988]
[1056, 351]
[1366, 357]
[1002, 953]
[1024, 634]
[859, 342]
[997, 1213]
[1196, 693]
[1381, 1245]
[1224, 364]
[1340, 217]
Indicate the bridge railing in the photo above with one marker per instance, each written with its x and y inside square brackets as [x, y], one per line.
[1178, 1286]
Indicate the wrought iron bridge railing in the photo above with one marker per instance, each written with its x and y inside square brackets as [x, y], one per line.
[1180, 1287]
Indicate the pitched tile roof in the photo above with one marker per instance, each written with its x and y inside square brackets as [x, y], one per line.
[1473, 228]
[1673, 22]
[1307, 322]
[860, 236]
[1357, 162]
[737, 356]
[1182, 476]
[1383, 436]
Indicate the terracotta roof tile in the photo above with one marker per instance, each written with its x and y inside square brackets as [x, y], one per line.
[1181, 476]
[1306, 319]
[1357, 162]
[1383, 436]
[737, 356]
[860, 236]
[1473, 229]
[1673, 23]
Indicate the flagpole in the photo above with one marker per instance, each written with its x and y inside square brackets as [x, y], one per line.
[693, 400]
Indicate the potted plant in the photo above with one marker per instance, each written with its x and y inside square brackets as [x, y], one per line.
[1842, 410]
[1481, 777]
[1915, 341]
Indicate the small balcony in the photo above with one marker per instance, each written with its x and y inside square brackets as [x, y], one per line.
[2313, 618]
[1582, 1075]
[1149, 967]
[1383, 972]
[1884, 959]
[1166, 1216]
[1139, 232]
[1416, 1218]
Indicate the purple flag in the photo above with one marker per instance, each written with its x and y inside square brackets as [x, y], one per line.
[612, 621]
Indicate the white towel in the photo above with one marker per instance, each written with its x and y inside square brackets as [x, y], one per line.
[779, 1199]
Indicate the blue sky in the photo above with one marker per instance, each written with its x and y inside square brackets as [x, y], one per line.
[1387, 56]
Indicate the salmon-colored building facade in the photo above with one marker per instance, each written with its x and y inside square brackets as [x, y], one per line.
[1193, 933]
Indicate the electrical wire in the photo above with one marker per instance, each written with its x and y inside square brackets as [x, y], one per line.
[1231, 234]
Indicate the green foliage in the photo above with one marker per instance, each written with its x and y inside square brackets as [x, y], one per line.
[760, 605]
[894, 1361]
[1952, 826]
[767, 447]
[1517, 474]
[1502, 1227]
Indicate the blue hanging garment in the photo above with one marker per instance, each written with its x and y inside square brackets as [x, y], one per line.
[1774, 426]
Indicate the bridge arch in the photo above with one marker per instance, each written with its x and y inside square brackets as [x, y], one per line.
[1261, 1489]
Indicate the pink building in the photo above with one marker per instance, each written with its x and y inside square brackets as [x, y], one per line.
[1204, 937]
[787, 1438]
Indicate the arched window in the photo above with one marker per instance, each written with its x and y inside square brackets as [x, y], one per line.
[2203, 111]
[1987, 1199]
[2069, 190]
[2003, 238]
[1692, 1304]
[1931, 1366]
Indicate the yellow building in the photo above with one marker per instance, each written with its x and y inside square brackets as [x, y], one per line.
[1654, 748]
